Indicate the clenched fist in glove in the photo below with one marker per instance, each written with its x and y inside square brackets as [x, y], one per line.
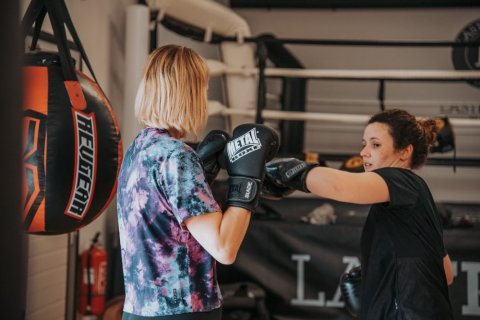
[350, 287]
[252, 145]
[285, 175]
[210, 151]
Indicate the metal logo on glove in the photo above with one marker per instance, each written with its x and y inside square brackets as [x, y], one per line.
[243, 145]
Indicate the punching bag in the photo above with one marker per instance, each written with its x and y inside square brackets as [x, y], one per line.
[72, 145]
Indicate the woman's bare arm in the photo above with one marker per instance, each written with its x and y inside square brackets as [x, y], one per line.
[360, 188]
[220, 234]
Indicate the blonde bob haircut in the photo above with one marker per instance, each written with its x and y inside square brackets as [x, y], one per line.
[173, 91]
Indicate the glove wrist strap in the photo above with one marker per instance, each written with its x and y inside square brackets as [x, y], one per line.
[299, 182]
[243, 192]
[310, 166]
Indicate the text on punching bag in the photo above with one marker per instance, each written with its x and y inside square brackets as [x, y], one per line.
[85, 164]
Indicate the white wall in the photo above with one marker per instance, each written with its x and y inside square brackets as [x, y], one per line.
[47, 277]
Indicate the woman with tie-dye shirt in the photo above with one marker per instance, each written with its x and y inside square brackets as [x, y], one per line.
[172, 231]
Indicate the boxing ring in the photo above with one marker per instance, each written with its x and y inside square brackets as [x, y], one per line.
[243, 69]
[219, 69]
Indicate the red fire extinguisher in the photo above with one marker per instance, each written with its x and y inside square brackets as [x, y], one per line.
[93, 279]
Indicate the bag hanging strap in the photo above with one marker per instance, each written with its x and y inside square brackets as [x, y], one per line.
[73, 87]
[59, 18]
[76, 39]
[38, 28]
[56, 20]
[36, 12]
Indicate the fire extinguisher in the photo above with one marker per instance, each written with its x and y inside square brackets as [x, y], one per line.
[93, 278]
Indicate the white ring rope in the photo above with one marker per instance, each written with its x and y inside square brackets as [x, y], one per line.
[217, 68]
[216, 108]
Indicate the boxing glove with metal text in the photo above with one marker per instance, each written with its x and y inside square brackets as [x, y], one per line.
[252, 145]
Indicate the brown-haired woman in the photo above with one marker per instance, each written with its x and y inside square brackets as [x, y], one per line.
[405, 267]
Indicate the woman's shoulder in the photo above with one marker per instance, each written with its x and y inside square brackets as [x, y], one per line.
[402, 176]
[396, 171]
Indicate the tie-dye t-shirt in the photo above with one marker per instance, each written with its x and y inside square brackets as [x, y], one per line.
[166, 271]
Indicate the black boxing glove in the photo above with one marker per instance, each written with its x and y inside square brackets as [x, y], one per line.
[252, 145]
[350, 287]
[288, 173]
[210, 151]
[272, 191]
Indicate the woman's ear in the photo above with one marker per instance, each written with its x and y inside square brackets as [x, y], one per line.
[406, 153]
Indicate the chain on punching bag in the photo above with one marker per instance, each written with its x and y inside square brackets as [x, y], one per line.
[72, 145]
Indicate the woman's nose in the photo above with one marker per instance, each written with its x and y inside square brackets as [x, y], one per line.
[364, 151]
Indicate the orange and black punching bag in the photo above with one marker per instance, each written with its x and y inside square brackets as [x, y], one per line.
[93, 279]
[72, 148]
[72, 145]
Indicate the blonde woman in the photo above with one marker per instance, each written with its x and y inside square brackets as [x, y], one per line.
[172, 231]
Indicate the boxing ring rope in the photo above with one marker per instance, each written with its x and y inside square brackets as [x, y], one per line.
[217, 108]
[338, 74]
[217, 68]
[333, 42]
